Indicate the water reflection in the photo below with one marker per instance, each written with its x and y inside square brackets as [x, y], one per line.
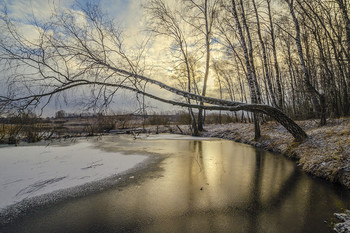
[206, 186]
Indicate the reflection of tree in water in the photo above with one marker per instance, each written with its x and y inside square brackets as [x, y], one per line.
[197, 180]
[254, 205]
[264, 194]
[263, 188]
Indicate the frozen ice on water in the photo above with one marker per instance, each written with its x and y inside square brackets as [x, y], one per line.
[29, 171]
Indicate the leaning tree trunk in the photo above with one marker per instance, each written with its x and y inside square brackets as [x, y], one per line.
[297, 132]
[293, 128]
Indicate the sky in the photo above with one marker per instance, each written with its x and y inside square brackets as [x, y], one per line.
[21, 9]
[127, 13]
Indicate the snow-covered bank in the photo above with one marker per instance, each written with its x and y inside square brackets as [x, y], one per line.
[30, 171]
[344, 226]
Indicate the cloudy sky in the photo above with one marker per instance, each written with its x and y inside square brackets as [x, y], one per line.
[128, 13]
[122, 9]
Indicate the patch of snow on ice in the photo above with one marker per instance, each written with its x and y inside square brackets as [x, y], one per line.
[28, 171]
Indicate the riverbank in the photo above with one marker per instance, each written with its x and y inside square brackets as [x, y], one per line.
[325, 154]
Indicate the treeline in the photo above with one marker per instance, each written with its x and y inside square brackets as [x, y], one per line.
[26, 126]
[291, 54]
[31, 128]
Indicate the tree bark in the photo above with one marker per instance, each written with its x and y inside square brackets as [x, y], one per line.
[346, 19]
[252, 86]
[273, 39]
[267, 75]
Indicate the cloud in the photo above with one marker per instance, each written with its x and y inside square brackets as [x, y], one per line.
[128, 12]
[116, 8]
[23, 10]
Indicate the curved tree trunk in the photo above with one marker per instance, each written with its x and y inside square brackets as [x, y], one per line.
[293, 128]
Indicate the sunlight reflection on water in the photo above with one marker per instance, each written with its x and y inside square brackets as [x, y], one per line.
[205, 186]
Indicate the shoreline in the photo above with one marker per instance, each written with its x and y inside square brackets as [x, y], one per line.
[275, 139]
[325, 153]
[134, 174]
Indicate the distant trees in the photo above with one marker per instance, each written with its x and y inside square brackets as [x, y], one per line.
[25, 126]
[168, 22]
[190, 26]
[60, 114]
[202, 17]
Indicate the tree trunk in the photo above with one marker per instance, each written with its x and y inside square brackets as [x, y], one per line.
[273, 39]
[268, 79]
[346, 19]
[207, 63]
[194, 127]
[252, 86]
[314, 94]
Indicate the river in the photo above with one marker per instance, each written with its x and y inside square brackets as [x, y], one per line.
[202, 185]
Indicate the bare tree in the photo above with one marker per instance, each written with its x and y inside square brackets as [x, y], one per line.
[343, 5]
[202, 20]
[318, 99]
[71, 54]
[277, 70]
[248, 55]
[165, 22]
[262, 44]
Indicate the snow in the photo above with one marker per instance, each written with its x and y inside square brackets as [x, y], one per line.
[29, 171]
[343, 226]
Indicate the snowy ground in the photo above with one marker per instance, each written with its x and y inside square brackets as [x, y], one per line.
[28, 171]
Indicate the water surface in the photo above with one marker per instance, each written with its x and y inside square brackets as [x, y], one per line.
[201, 186]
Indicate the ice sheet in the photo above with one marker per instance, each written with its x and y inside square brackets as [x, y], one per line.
[28, 171]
